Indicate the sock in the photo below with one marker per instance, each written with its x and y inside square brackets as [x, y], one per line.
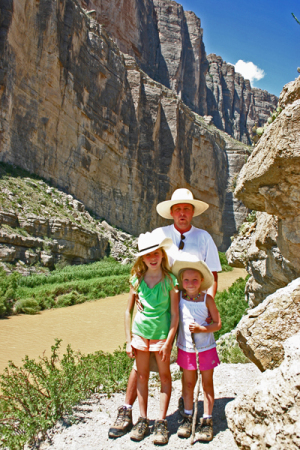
[207, 416]
[128, 406]
[189, 412]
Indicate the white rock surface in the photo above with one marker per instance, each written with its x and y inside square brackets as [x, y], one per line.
[268, 415]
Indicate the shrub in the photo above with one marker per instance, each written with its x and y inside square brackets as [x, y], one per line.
[229, 350]
[224, 263]
[37, 394]
[232, 306]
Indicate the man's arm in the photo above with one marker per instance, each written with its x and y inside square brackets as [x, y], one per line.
[213, 289]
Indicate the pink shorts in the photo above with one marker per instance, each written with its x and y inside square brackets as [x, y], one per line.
[207, 360]
[146, 345]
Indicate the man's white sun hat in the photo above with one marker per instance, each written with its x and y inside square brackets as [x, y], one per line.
[181, 196]
[188, 261]
[149, 242]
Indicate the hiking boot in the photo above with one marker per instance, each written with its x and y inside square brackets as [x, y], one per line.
[123, 423]
[205, 430]
[185, 429]
[140, 429]
[181, 406]
[160, 432]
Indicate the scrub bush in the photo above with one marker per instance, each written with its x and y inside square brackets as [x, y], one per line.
[232, 306]
[34, 396]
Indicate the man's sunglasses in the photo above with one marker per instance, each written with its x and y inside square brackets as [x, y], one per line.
[181, 243]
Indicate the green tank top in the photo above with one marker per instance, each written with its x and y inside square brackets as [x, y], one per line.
[154, 321]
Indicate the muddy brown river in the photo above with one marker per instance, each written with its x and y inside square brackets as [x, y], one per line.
[91, 326]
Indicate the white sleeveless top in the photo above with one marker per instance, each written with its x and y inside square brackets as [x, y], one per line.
[190, 311]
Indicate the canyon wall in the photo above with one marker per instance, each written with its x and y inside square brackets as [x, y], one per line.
[233, 104]
[167, 43]
[81, 114]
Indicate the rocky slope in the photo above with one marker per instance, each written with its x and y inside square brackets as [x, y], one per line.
[167, 43]
[79, 113]
[41, 226]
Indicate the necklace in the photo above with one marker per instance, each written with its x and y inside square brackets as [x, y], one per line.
[193, 299]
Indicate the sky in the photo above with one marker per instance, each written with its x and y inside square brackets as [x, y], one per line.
[259, 37]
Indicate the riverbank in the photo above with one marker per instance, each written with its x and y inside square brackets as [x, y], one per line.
[88, 327]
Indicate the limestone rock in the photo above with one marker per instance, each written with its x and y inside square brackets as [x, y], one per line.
[257, 248]
[268, 416]
[167, 43]
[270, 179]
[262, 332]
[86, 117]
[233, 104]
[290, 93]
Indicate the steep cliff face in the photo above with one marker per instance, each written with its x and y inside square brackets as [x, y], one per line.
[233, 104]
[167, 43]
[77, 112]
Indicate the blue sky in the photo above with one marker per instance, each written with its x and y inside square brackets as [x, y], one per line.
[260, 32]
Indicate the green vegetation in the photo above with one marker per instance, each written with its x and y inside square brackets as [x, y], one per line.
[232, 306]
[37, 394]
[62, 287]
[295, 18]
[224, 263]
[229, 351]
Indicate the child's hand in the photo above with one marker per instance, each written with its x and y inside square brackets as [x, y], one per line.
[196, 328]
[130, 351]
[165, 352]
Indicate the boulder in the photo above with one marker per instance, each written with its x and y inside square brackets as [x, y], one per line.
[257, 249]
[262, 332]
[268, 416]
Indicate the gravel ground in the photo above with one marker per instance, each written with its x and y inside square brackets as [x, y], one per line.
[97, 414]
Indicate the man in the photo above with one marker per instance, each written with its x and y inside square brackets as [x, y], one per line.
[181, 208]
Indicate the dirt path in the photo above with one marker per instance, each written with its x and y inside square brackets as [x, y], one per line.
[97, 414]
[86, 327]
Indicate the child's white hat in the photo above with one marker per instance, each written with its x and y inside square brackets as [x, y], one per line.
[148, 242]
[188, 261]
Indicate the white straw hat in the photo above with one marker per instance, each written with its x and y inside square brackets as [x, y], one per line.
[188, 261]
[181, 196]
[148, 242]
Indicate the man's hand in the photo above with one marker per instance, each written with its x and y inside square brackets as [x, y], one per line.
[139, 306]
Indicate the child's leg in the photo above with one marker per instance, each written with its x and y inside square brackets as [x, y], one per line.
[166, 385]
[208, 390]
[142, 363]
[190, 378]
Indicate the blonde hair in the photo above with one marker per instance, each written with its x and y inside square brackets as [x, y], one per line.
[139, 269]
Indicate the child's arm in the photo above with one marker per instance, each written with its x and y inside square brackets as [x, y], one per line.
[128, 319]
[166, 349]
[215, 315]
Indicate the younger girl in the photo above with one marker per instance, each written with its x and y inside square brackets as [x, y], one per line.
[194, 277]
[154, 327]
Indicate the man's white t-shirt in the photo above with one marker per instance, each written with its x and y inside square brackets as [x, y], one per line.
[197, 242]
